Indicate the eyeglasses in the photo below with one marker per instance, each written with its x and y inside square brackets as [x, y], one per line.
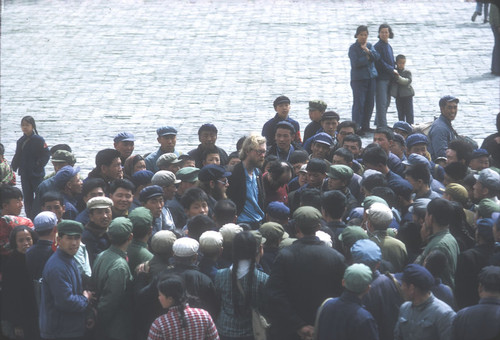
[345, 133]
[224, 182]
[259, 152]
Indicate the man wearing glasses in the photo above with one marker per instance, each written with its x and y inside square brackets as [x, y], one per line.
[245, 184]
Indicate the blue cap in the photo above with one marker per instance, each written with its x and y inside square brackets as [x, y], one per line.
[286, 125]
[484, 229]
[212, 172]
[278, 210]
[404, 126]
[400, 139]
[150, 192]
[416, 138]
[46, 220]
[366, 251]
[142, 177]
[479, 153]
[64, 175]
[124, 137]
[447, 99]
[419, 276]
[323, 138]
[402, 188]
[165, 131]
[415, 159]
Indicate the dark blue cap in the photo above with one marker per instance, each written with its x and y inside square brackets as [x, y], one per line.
[404, 126]
[316, 165]
[323, 138]
[415, 158]
[447, 99]
[485, 229]
[416, 138]
[286, 125]
[165, 131]
[150, 192]
[124, 137]
[400, 139]
[142, 177]
[281, 100]
[419, 276]
[212, 172]
[64, 175]
[278, 210]
[479, 153]
[402, 188]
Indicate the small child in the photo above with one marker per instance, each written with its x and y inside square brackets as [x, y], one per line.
[402, 90]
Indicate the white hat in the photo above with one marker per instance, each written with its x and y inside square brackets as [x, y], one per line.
[210, 241]
[327, 239]
[162, 242]
[185, 247]
[380, 214]
[230, 230]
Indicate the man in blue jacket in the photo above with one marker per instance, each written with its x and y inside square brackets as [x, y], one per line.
[441, 132]
[64, 303]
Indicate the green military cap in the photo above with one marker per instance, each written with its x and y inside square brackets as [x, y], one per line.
[357, 278]
[188, 174]
[339, 171]
[119, 230]
[487, 207]
[70, 228]
[99, 203]
[258, 236]
[141, 219]
[351, 234]
[273, 232]
[307, 216]
[369, 200]
[317, 105]
[63, 156]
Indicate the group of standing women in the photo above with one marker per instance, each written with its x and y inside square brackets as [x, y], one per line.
[372, 69]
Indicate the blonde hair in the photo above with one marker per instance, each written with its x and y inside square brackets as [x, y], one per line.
[251, 143]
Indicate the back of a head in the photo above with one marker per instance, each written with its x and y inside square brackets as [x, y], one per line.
[311, 197]
[198, 224]
[462, 149]
[419, 172]
[162, 242]
[224, 212]
[380, 216]
[386, 193]
[441, 211]
[372, 181]
[456, 171]
[436, 262]
[489, 279]
[374, 155]
[333, 203]
[245, 246]
[173, 286]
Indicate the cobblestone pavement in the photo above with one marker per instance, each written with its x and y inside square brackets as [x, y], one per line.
[89, 69]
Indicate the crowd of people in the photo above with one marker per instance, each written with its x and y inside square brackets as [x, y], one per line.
[321, 237]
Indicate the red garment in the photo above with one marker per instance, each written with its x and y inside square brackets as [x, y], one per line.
[280, 194]
[199, 325]
[7, 223]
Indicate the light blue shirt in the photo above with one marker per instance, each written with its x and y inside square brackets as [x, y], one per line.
[251, 210]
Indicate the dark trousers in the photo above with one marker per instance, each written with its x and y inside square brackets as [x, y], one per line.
[29, 184]
[363, 95]
[495, 60]
[405, 109]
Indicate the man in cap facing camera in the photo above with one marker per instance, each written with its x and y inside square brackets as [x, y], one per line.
[282, 108]
[169, 162]
[207, 135]
[316, 109]
[64, 304]
[292, 309]
[213, 180]
[113, 279]
[345, 317]
[423, 316]
[442, 132]
[94, 236]
[124, 144]
[167, 138]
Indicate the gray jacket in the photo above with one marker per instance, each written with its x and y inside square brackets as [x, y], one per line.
[401, 86]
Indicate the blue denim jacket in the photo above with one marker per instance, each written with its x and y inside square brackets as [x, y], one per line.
[361, 66]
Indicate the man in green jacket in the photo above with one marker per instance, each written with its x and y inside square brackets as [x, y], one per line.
[113, 281]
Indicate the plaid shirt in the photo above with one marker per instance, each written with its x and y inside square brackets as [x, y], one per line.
[199, 325]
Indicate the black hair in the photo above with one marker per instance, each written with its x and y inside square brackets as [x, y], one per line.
[347, 123]
[456, 171]
[173, 286]
[353, 138]
[92, 183]
[52, 196]
[419, 171]
[239, 144]
[489, 278]
[389, 134]
[311, 197]
[245, 247]
[400, 57]
[207, 127]
[8, 192]
[224, 211]
[372, 181]
[106, 157]
[58, 147]
[198, 224]
[374, 155]
[234, 154]
[462, 148]
[391, 34]
[460, 229]
[333, 203]
[386, 193]
[121, 183]
[17, 229]
[345, 154]
[192, 195]
[2, 149]
[30, 120]
[435, 262]
[298, 156]
[209, 151]
[409, 234]
[361, 28]
[441, 210]
[278, 168]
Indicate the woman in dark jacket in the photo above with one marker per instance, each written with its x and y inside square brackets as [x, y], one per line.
[385, 70]
[32, 154]
[19, 308]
